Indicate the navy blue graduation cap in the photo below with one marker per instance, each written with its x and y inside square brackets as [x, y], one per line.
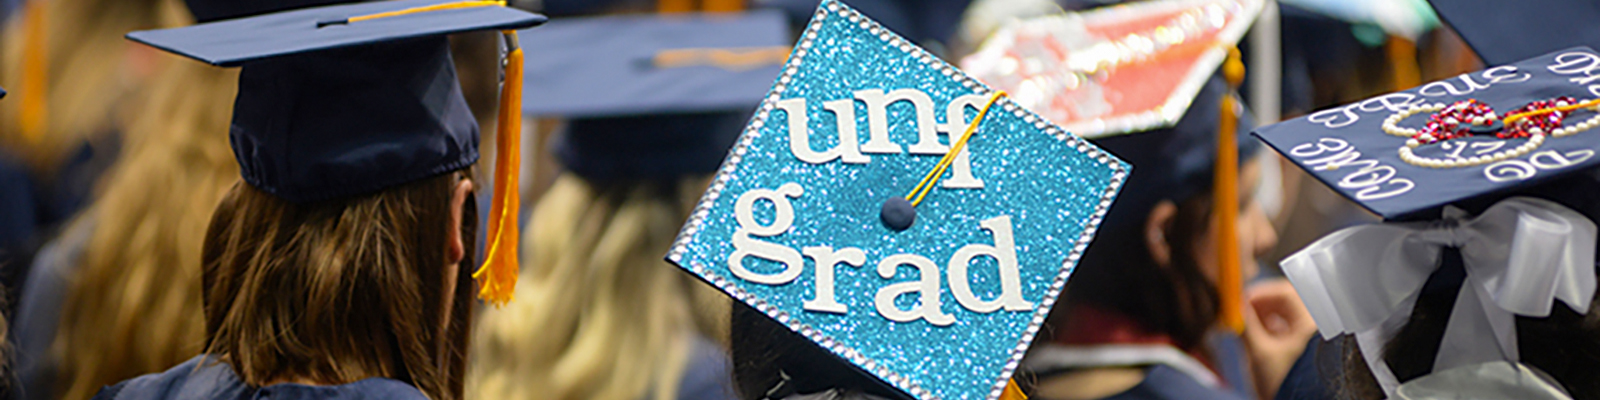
[653, 64]
[806, 220]
[344, 100]
[652, 97]
[1176, 162]
[1476, 136]
[1504, 32]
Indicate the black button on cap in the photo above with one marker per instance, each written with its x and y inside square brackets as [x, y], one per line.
[898, 214]
[1493, 126]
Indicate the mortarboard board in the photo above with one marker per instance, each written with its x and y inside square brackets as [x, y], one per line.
[1114, 70]
[1505, 32]
[652, 97]
[1407, 154]
[344, 100]
[796, 225]
[922, 21]
[653, 64]
[1135, 69]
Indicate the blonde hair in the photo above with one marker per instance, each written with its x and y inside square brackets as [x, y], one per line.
[90, 76]
[133, 305]
[598, 315]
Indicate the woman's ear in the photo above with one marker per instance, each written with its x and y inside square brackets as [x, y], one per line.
[458, 200]
[1155, 232]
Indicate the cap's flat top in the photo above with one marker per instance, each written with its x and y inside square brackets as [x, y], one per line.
[1035, 197]
[1504, 32]
[238, 41]
[1371, 171]
[608, 66]
[1113, 70]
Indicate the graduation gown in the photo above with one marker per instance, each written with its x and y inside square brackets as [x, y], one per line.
[1165, 383]
[202, 378]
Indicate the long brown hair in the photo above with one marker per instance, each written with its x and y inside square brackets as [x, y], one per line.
[340, 290]
[133, 304]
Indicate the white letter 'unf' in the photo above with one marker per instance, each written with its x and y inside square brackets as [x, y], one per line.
[850, 150]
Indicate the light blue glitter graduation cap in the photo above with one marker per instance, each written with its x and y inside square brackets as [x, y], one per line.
[793, 225]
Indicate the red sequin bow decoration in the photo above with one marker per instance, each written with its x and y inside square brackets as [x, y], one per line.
[1472, 117]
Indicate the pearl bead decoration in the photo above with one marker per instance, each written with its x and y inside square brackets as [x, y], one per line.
[1536, 137]
[1391, 124]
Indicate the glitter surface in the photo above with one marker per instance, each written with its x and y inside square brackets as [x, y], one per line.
[1053, 186]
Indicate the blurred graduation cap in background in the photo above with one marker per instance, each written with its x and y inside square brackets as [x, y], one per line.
[653, 64]
[1143, 80]
[344, 100]
[844, 164]
[1505, 32]
[926, 22]
[652, 97]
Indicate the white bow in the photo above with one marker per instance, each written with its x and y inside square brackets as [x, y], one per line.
[1519, 255]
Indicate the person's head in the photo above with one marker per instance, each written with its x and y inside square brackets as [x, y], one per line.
[602, 315]
[344, 253]
[133, 306]
[336, 291]
[1565, 345]
[1153, 260]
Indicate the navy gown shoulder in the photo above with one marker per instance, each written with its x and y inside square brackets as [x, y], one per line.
[709, 373]
[1164, 383]
[202, 378]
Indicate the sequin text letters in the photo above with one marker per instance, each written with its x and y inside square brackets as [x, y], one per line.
[926, 288]
[850, 150]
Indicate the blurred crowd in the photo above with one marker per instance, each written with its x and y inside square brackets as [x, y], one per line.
[114, 156]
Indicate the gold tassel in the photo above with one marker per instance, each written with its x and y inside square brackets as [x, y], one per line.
[1012, 392]
[35, 107]
[1403, 61]
[497, 278]
[723, 5]
[674, 6]
[1225, 201]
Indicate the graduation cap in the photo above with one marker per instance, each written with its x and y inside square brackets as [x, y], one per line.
[1486, 182]
[653, 64]
[652, 96]
[345, 100]
[1489, 133]
[1114, 70]
[1505, 32]
[1135, 70]
[806, 219]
